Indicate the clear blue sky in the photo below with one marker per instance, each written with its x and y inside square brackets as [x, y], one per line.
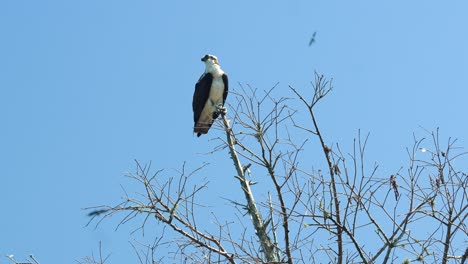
[88, 86]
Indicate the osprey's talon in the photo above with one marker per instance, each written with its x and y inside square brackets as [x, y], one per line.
[221, 109]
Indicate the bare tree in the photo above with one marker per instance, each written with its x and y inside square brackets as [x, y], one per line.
[347, 212]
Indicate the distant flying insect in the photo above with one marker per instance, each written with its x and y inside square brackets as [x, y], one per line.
[312, 40]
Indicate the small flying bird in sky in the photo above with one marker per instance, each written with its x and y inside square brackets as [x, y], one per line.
[210, 95]
[312, 40]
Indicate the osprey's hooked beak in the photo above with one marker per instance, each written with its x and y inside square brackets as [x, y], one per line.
[204, 58]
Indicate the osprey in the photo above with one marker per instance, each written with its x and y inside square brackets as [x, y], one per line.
[210, 94]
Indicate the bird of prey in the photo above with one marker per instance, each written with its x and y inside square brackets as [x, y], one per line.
[210, 94]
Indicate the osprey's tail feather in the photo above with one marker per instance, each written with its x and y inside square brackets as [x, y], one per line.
[202, 127]
[206, 121]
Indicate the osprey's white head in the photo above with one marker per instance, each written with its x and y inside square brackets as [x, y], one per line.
[209, 60]
[212, 65]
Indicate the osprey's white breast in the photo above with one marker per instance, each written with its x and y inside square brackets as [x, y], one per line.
[217, 90]
[217, 86]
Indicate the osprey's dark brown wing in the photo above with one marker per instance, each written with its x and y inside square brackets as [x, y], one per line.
[201, 94]
[226, 87]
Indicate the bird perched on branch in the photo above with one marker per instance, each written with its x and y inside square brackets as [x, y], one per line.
[210, 94]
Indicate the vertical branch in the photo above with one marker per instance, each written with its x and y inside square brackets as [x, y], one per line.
[269, 165]
[284, 211]
[272, 223]
[441, 159]
[326, 151]
[263, 125]
[267, 246]
[321, 89]
[448, 237]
